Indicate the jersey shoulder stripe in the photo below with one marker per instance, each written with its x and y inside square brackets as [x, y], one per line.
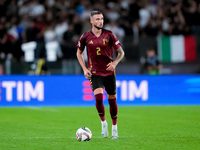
[85, 34]
[110, 33]
[107, 31]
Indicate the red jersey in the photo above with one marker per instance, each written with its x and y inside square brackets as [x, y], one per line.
[99, 50]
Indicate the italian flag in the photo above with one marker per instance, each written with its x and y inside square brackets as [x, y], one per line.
[176, 48]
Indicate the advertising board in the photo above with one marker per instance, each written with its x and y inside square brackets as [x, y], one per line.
[74, 90]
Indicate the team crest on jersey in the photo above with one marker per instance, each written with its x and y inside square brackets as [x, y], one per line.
[91, 42]
[104, 41]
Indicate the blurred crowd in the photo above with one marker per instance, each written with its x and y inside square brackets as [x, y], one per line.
[22, 21]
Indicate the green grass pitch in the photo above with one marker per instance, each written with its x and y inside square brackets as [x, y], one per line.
[139, 127]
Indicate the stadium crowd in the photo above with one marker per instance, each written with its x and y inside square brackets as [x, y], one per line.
[22, 21]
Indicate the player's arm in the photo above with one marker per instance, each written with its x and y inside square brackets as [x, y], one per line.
[79, 55]
[112, 65]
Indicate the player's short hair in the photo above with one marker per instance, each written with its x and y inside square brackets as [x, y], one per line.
[95, 12]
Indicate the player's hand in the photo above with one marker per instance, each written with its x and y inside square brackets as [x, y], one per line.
[111, 67]
[87, 74]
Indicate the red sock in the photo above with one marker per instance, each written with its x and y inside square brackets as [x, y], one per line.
[113, 110]
[100, 106]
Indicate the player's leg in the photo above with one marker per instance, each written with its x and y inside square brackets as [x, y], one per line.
[97, 87]
[101, 111]
[113, 114]
[110, 86]
[98, 93]
[113, 108]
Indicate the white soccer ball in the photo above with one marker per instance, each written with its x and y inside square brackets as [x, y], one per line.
[83, 134]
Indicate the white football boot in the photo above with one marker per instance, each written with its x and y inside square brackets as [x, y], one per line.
[114, 132]
[104, 129]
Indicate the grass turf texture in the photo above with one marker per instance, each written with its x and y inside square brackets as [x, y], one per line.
[150, 128]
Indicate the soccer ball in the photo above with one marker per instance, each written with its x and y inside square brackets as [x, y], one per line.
[83, 134]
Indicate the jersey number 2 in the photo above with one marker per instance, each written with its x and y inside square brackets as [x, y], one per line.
[98, 51]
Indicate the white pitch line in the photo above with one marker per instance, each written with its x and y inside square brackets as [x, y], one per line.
[42, 109]
[34, 108]
[17, 138]
[51, 109]
[97, 137]
[34, 138]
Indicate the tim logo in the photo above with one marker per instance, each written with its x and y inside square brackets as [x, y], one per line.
[88, 93]
[130, 90]
[21, 91]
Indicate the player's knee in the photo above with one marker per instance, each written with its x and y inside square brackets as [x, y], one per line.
[99, 102]
[111, 96]
[112, 102]
[99, 98]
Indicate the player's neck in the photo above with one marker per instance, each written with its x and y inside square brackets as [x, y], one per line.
[96, 32]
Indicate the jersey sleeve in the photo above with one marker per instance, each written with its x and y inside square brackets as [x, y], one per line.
[116, 43]
[81, 43]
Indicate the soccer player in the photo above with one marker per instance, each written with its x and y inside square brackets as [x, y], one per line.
[100, 44]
